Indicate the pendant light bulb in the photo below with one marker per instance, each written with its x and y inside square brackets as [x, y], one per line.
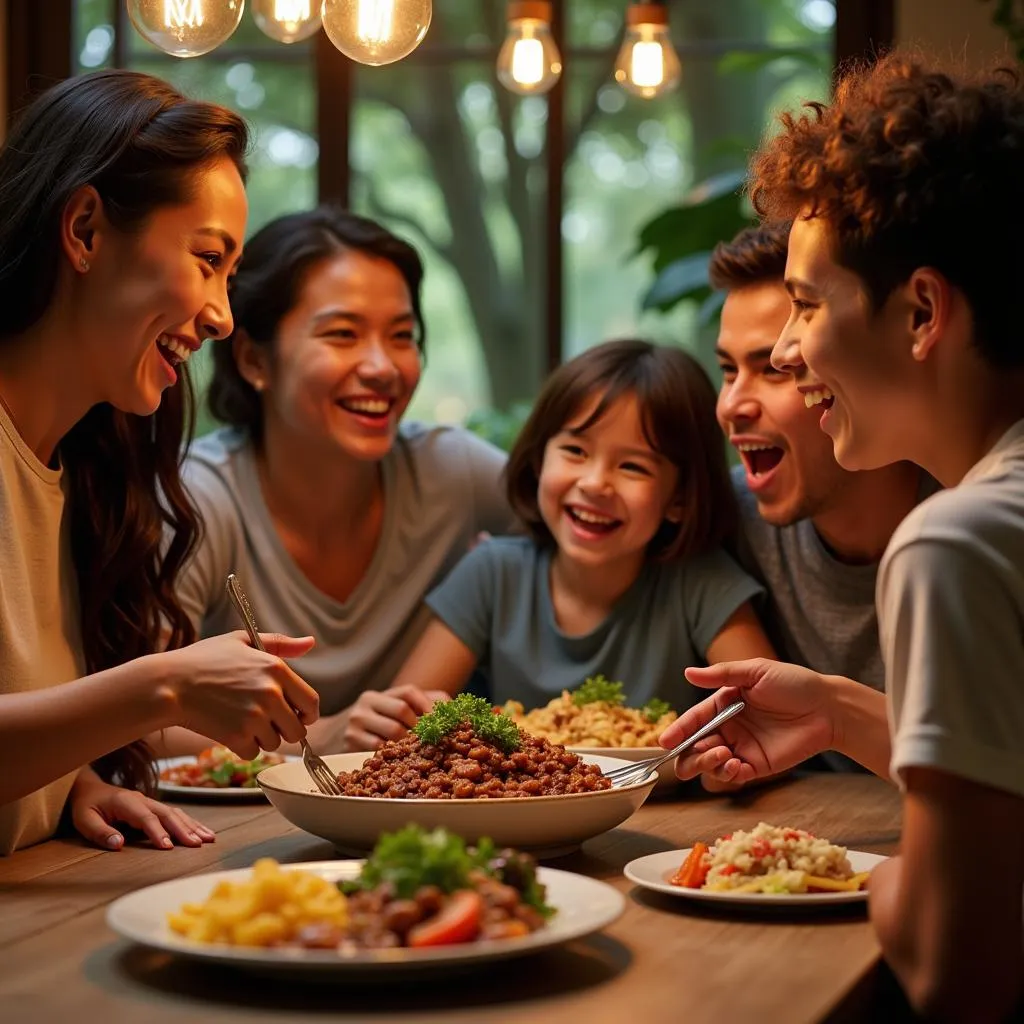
[647, 64]
[376, 32]
[185, 28]
[529, 62]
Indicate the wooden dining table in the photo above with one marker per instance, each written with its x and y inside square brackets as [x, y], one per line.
[665, 959]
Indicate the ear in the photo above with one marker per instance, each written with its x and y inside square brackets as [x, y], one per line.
[251, 359]
[82, 225]
[674, 512]
[930, 296]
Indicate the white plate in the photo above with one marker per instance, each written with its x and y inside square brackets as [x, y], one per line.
[584, 905]
[545, 825]
[206, 792]
[654, 871]
[666, 773]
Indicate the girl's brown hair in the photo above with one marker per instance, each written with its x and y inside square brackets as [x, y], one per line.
[677, 403]
[140, 143]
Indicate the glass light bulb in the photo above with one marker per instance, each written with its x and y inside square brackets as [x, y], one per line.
[185, 28]
[529, 61]
[287, 21]
[647, 64]
[376, 31]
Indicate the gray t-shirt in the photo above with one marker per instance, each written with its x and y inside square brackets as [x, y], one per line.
[442, 486]
[951, 608]
[818, 611]
[498, 602]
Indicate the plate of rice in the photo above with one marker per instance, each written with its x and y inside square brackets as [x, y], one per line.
[594, 720]
[768, 864]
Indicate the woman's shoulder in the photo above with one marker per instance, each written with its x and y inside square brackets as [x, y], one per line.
[446, 448]
[213, 465]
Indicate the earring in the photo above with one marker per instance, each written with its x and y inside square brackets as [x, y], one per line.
[83, 263]
[258, 384]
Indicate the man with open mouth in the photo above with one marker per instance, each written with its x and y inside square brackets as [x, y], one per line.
[813, 532]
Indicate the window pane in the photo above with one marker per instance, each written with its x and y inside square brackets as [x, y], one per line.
[445, 157]
[629, 159]
[92, 34]
[278, 101]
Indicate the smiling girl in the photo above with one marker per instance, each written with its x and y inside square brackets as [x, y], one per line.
[620, 479]
[122, 211]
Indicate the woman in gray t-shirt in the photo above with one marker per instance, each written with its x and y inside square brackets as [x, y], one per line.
[337, 517]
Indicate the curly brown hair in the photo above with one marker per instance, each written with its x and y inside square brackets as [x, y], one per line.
[913, 164]
[677, 400]
[755, 255]
[141, 144]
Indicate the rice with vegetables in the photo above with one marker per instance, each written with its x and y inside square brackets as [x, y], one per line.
[594, 715]
[769, 858]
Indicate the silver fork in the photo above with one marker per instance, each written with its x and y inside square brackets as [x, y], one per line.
[629, 774]
[315, 765]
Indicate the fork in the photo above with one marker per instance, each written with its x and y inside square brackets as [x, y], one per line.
[315, 765]
[629, 774]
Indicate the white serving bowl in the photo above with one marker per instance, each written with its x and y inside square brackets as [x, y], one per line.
[545, 825]
[666, 773]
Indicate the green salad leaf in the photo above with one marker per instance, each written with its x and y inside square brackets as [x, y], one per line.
[596, 688]
[413, 857]
[489, 724]
[655, 708]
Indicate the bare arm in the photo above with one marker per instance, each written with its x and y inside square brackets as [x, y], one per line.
[222, 686]
[45, 734]
[740, 638]
[948, 911]
[791, 714]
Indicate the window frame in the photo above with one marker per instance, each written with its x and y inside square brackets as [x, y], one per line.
[39, 53]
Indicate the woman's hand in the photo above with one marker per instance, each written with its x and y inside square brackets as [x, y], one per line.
[788, 717]
[96, 806]
[380, 715]
[243, 698]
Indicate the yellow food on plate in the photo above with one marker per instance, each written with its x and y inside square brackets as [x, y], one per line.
[594, 716]
[269, 909]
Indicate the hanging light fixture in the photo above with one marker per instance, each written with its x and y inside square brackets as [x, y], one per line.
[376, 31]
[287, 21]
[647, 64]
[185, 28]
[529, 62]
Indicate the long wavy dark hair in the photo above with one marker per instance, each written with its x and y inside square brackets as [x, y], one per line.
[139, 143]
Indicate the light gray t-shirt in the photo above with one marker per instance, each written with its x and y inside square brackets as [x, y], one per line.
[951, 614]
[818, 611]
[442, 486]
[498, 602]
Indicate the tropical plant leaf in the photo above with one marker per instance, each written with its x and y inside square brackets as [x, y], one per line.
[679, 280]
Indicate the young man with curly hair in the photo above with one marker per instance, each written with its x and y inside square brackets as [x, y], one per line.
[905, 266]
[812, 531]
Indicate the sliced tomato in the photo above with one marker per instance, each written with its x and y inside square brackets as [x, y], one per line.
[457, 921]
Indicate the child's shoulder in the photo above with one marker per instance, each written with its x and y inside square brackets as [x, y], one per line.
[510, 551]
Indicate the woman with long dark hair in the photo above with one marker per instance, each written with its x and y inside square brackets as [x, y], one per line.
[122, 213]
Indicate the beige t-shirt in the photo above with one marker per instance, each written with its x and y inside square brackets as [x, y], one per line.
[40, 635]
[951, 623]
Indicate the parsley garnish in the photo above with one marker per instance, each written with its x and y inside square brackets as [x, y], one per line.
[597, 688]
[655, 708]
[489, 725]
[413, 857]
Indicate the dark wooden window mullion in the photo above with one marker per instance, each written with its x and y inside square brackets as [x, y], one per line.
[554, 150]
[334, 99]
